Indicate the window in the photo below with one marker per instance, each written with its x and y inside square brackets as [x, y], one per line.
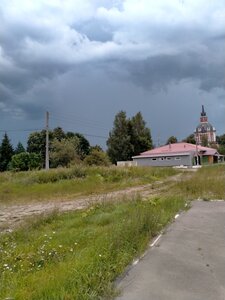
[177, 158]
[168, 158]
[153, 158]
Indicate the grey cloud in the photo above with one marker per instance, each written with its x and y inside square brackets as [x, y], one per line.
[160, 71]
[32, 83]
[95, 30]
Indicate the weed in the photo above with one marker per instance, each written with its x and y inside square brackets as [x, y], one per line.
[73, 182]
[78, 255]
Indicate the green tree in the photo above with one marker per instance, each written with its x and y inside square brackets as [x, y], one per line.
[34, 161]
[221, 149]
[190, 139]
[58, 134]
[20, 161]
[63, 152]
[204, 141]
[6, 153]
[171, 140]
[83, 148]
[140, 134]
[119, 141]
[37, 144]
[221, 139]
[97, 158]
[25, 161]
[96, 147]
[19, 148]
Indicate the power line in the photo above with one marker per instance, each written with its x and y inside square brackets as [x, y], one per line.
[77, 122]
[30, 130]
[74, 116]
[19, 130]
[92, 135]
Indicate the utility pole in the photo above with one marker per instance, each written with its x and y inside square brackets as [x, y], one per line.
[197, 160]
[47, 142]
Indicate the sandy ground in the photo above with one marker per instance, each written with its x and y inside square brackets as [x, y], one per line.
[12, 216]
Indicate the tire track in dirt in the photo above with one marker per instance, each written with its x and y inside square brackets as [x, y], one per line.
[12, 216]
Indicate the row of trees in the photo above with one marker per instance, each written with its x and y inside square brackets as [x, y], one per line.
[65, 148]
[128, 137]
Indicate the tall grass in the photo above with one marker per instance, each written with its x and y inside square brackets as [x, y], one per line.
[66, 183]
[207, 183]
[78, 255]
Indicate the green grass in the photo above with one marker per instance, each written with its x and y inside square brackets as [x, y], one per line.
[70, 183]
[78, 255]
[208, 183]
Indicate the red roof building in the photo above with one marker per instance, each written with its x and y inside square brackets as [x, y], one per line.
[178, 154]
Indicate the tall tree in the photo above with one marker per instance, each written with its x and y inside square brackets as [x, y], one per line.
[19, 148]
[221, 139]
[63, 152]
[140, 134]
[119, 141]
[83, 148]
[37, 142]
[171, 140]
[58, 134]
[6, 153]
[84, 145]
[190, 139]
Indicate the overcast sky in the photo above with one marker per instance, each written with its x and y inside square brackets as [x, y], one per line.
[85, 60]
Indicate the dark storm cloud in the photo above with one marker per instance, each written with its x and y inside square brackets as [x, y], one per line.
[160, 71]
[147, 44]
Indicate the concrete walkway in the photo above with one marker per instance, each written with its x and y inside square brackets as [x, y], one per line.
[187, 263]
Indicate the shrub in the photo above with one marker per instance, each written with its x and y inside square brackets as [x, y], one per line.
[59, 174]
[97, 158]
[25, 161]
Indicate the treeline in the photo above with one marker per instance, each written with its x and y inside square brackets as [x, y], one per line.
[65, 148]
[128, 137]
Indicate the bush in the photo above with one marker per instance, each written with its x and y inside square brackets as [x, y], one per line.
[59, 174]
[97, 158]
[25, 161]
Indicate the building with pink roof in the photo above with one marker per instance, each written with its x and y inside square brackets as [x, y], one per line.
[178, 154]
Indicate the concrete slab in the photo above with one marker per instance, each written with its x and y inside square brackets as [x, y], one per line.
[187, 263]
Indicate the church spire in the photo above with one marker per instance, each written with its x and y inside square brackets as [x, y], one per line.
[203, 118]
[203, 114]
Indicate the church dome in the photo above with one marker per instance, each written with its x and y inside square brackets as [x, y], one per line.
[204, 127]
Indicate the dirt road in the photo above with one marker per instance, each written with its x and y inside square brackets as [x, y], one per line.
[13, 215]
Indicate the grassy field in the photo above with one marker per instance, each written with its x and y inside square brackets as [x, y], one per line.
[206, 184]
[60, 184]
[78, 255]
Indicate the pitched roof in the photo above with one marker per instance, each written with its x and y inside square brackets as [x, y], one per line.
[178, 148]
